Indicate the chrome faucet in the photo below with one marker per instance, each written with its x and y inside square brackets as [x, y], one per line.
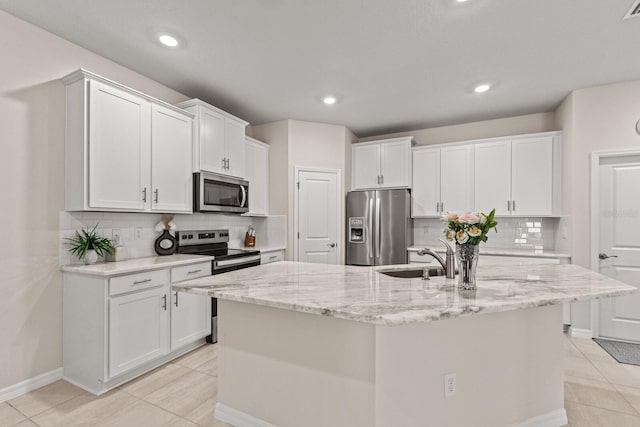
[449, 264]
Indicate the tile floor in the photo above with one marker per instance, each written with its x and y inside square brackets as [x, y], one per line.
[599, 392]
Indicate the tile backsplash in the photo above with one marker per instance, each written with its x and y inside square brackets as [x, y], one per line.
[138, 230]
[513, 233]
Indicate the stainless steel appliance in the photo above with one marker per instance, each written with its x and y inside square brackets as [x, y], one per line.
[219, 193]
[378, 227]
[215, 243]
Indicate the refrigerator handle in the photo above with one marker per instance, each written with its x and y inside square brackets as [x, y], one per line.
[370, 245]
[378, 231]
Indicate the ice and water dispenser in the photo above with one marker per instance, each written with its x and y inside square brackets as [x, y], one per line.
[356, 230]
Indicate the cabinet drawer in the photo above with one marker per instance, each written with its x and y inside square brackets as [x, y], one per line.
[193, 271]
[269, 257]
[134, 282]
[422, 259]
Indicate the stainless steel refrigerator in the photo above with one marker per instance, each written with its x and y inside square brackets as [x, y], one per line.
[378, 227]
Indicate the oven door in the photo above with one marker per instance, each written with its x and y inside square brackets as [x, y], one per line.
[217, 193]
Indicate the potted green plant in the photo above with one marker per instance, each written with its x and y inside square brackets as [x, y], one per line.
[88, 245]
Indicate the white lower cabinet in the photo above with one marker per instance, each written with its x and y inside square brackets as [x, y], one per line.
[137, 329]
[116, 328]
[190, 314]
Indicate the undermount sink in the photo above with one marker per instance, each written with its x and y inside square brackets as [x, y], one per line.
[414, 272]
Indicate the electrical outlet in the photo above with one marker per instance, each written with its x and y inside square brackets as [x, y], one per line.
[137, 235]
[117, 234]
[450, 385]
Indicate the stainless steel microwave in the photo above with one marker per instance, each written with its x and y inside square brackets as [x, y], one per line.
[219, 193]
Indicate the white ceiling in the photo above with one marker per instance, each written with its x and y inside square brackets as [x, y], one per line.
[395, 65]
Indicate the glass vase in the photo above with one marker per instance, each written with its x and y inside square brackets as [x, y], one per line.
[467, 262]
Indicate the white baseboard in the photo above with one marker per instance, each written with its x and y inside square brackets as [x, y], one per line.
[30, 384]
[552, 419]
[236, 418]
[581, 333]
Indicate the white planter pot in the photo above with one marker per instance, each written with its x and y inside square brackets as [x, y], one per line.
[91, 257]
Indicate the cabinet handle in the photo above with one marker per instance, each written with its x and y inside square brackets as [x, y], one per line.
[155, 197]
[224, 163]
[441, 207]
[164, 302]
[509, 205]
[273, 257]
[382, 179]
[513, 204]
[137, 282]
[144, 195]
[193, 271]
[228, 164]
[176, 300]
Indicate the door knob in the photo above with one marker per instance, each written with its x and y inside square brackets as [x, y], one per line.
[332, 245]
[602, 255]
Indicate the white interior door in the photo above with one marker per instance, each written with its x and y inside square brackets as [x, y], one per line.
[619, 240]
[318, 217]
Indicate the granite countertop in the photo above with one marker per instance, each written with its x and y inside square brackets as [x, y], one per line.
[537, 253]
[106, 269]
[363, 294]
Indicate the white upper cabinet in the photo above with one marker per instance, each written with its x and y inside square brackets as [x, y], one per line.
[381, 164]
[119, 135]
[456, 179]
[425, 189]
[171, 177]
[219, 139]
[125, 151]
[257, 173]
[493, 177]
[532, 176]
[365, 166]
[519, 176]
[442, 180]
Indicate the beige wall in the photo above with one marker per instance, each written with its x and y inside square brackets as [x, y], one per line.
[32, 116]
[294, 144]
[600, 118]
[531, 123]
[321, 146]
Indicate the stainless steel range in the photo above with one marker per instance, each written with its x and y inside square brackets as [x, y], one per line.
[216, 243]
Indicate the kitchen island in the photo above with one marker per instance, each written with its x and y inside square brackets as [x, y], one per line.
[319, 345]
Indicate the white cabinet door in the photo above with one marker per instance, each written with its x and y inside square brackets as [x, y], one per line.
[119, 140]
[138, 329]
[456, 179]
[493, 177]
[211, 140]
[395, 164]
[190, 318]
[365, 166]
[171, 177]
[235, 135]
[425, 192]
[532, 176]
[257, 173]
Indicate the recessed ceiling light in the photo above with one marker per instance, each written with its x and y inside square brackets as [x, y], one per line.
[329, 100]
[482, 88]
[168, 40]
[461, 1]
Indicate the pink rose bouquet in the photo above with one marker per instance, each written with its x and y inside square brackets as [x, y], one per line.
[469, 228]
